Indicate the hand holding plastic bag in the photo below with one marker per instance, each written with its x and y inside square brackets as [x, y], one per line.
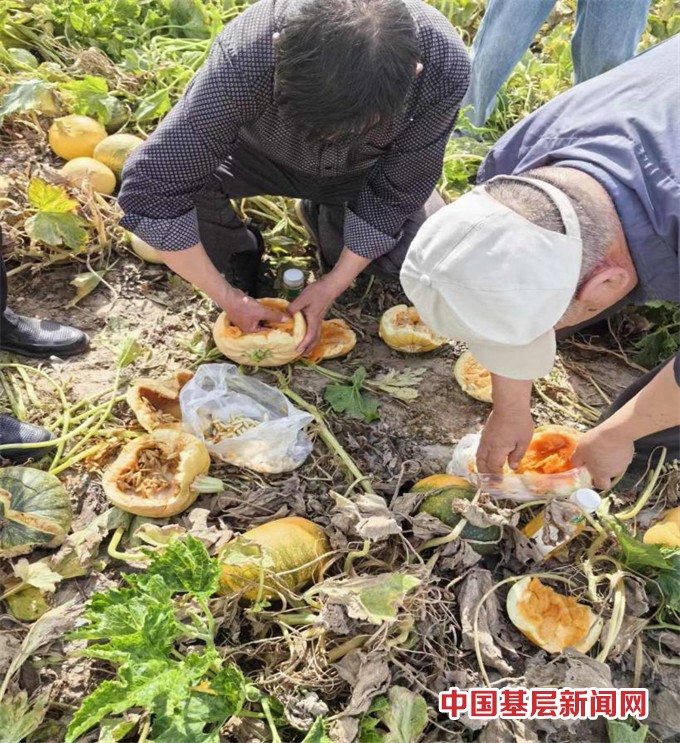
[219, 393]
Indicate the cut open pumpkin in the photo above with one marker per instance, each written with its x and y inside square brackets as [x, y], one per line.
[472, 377]
[402, 329]
[155, 402]
[156, 474]
[337, 339]
[274, 345]
[550, 451]
[551, 620]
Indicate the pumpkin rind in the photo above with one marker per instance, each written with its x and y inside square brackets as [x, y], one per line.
[293, 545]
[472, 377]
[152, 399]
[551, 620]
[445, 489]
[666, 531]
[193, 461]
[402, 329]
[35, 511]
[275, 345]
[337, 339]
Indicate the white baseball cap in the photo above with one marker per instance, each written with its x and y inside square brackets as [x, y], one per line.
[479, 272]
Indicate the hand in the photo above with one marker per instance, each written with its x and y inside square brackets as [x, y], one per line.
[314, 302]
[604, 453]
[506, 435]
[247, 313]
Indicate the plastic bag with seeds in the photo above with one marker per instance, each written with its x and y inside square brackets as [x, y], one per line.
[243, 421]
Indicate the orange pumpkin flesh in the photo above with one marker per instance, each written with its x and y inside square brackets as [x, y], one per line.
[155, 402]
[472, 377]
[275, 344]
[550, 451]
[402, 329]
[337, 339]
[551, 620]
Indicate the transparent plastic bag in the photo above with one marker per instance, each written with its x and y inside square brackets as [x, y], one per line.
[513, 485]
[219, 393]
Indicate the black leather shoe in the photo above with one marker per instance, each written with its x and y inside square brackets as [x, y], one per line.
[13, 431]
[39, 338]
[308, 215]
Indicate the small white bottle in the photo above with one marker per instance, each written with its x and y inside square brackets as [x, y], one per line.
[587, 501]
[293, 283]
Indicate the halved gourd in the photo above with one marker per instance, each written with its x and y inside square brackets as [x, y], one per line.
[550, 451]
[551, 620]
[159, 474]
[472, 377]
[337, 339]
[402, 329]
[274, 345]
[155, 402]
[666, 531]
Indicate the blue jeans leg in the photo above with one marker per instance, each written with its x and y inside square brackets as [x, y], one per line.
[506, 31]
[607, 33]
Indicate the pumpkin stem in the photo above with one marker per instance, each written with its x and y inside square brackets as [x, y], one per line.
[206, 484]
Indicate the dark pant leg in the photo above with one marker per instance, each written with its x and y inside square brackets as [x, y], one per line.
[670, 437]
[328, 221]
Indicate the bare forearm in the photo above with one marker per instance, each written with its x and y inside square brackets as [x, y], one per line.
[655, 408]
[510, 394]
[194, 265]
[348, 267]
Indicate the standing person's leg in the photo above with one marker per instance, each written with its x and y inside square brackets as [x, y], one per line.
[326, 224]
[3, 280]
[606, 34]
[506, 31]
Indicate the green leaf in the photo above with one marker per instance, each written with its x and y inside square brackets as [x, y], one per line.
[56, 229]
[130, 351]
[46, 197]
[350, 399]
[656, 347]
[371, 720]
[84, 283]
[619, 731]
[668, 584]
[406, 717]
[29, 95]
[153, 106]
[317, 733]
[186, 567]
[19, 718]
[90, 97]
[374, 599]
[636, 554]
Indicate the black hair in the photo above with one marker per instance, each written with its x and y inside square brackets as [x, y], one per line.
[345, 65]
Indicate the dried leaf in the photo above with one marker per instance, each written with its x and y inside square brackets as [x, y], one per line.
[402, 385]
[84, 283]
[157, 535]
[406, 717]
[366, 516]
[368, 674]
[29, 95]
[469, 594]
[375, 599]
[37, 574]
[19, 718]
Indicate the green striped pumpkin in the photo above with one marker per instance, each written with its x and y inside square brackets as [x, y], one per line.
[35, 511]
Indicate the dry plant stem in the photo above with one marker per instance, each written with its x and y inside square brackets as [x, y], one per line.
[358, 641]
[326, 434]
[585, 413]
[646, 493]
[482, 601]
[618, 613]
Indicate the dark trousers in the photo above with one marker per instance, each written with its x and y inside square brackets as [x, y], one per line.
[3, 280]
[249, 173]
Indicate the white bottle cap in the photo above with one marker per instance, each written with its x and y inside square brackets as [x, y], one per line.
[587, 499]
[293, 278]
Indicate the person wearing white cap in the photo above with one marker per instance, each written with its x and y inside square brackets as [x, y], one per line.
[578, 213]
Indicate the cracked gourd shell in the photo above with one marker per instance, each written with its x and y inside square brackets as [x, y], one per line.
[472, 377]
[402, 329]
[275, 345]
[551, 620]
[150, 399]
[337, 339]
[35, 511]
[193, 460]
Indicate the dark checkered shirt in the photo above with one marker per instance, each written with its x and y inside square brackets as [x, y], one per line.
[231, 99]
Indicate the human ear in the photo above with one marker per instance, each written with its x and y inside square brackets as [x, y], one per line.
[604, 287]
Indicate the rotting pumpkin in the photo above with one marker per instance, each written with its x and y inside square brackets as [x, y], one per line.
[35, 511]
[402, 329]
[472, 377]
[444, 491]
[551, 620]
[155, 402]
[281, 555]
[159, 474]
